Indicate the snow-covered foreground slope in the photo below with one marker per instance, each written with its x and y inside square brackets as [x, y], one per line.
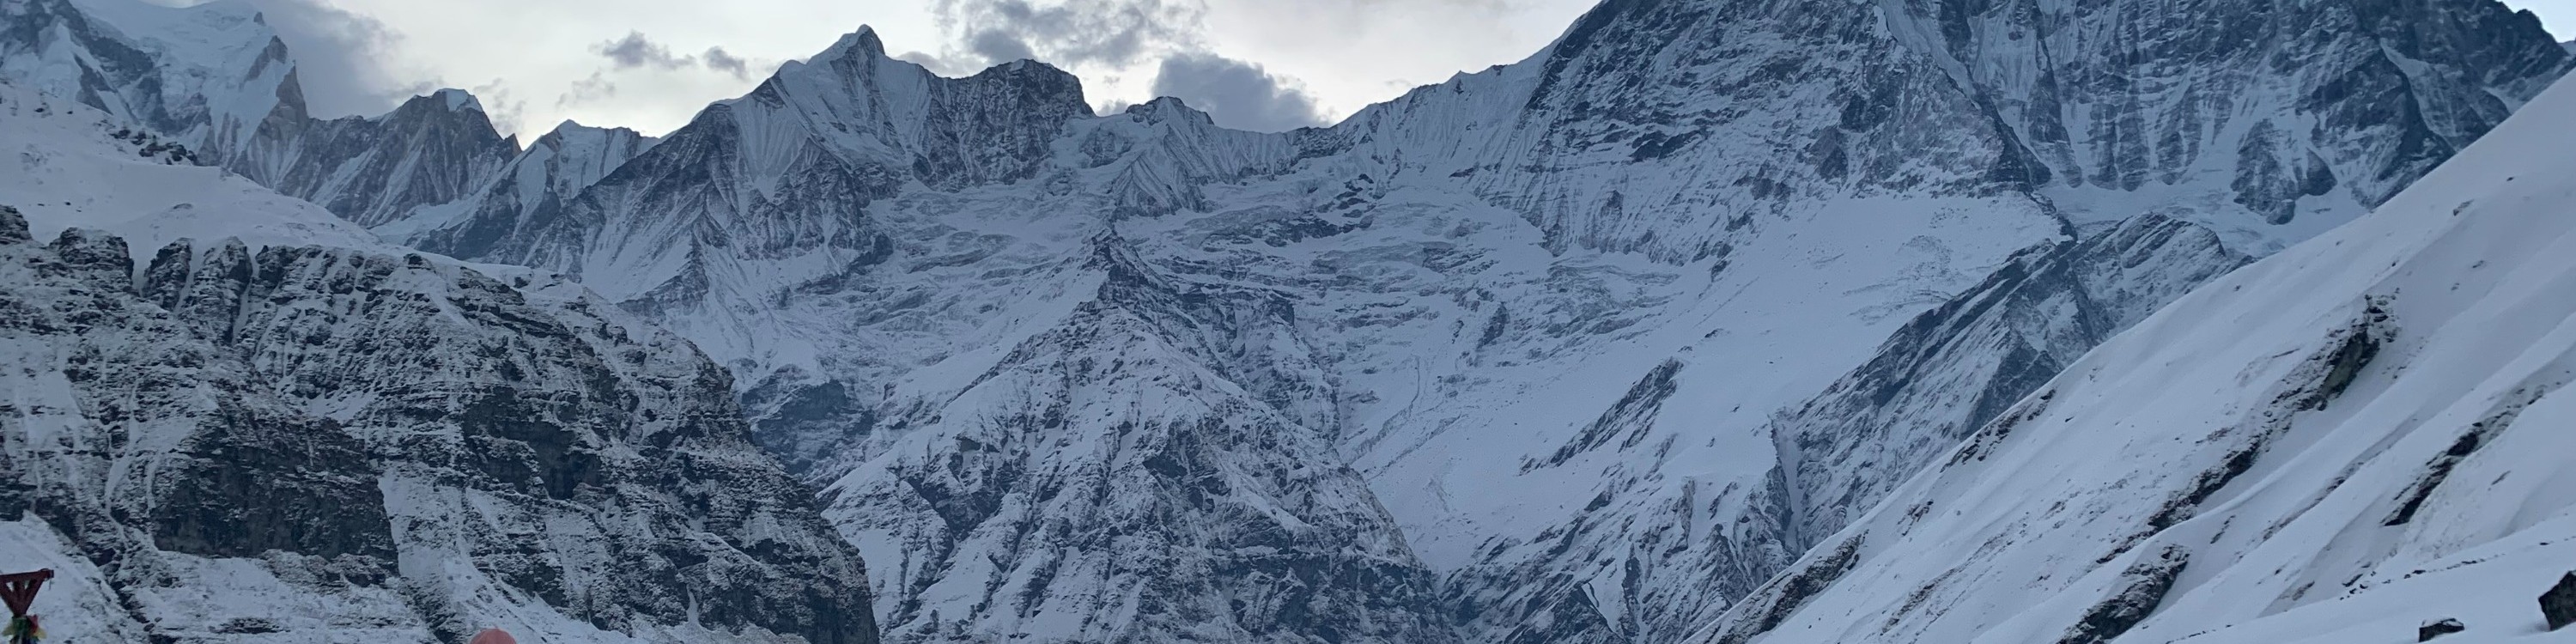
[241, 436]
[2362, 434]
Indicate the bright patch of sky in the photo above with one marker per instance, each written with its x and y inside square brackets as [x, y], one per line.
[652, 64]
[2559, 15]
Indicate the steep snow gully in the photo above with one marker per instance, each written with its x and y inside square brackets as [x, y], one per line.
[1725, 321]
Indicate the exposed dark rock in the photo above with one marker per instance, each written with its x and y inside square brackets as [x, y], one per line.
[2143, 588]
[1990, 348]
[2438, 628]
[2478, 435]
[1767, 608]
[595, 469]
[13, 227]
[2558, 606]
[1632, 416]
[2317, 381]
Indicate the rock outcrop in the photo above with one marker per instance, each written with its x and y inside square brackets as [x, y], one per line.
[310, 444]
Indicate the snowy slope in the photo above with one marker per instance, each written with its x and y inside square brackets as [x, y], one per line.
[275, 441]
[2338, 443]
[212, 77]
[215, 79]
[1954, 368]
[68, 168]
[1625, 513]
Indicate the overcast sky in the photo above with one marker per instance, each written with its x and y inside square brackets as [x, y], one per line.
[651, 64]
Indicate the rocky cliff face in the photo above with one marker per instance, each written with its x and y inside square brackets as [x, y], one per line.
[2240, 100]
[382, 170]
[1147, 497]
[307, 444]
[273, 441]
[530, 193]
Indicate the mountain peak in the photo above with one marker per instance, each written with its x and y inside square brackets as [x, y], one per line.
[572, 134]
[446, 101]
[863, 42]
[569, 126]
[1168, 107]
[1030, 72]
[457, 99]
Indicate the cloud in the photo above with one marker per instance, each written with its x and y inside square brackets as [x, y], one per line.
[635, 51]
[720, 60]
[595, 88]
[1109, 33]
[1110, 36]
[998, 46]
[504, 108]
[340, 57]
[1237, 94]
[937, 64]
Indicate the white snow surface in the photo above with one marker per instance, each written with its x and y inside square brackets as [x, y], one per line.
[68, 172]
[75, 606]
[215, 70]
[64, 170]
[2312, 486]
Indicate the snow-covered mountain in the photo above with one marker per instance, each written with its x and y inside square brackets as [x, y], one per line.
[376, 171]
[213, 77]
[216, 80]
[2340, 443]
[1577, 349]
[1605, 338]
[526, 195]
[275, 427]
